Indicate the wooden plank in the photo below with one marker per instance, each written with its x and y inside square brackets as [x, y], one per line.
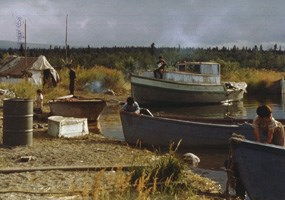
[70, 168]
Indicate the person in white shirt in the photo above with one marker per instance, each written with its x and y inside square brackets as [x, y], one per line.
[161, 63]
[131, 106]
[265, 123]
[39, 102]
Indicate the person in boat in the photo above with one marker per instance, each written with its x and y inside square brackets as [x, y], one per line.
[131, 106]
[39, 102]
[265, 123]
[273, 130]
[161, 63]
[72, 77]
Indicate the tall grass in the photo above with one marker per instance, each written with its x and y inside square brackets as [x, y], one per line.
[252, 76]
[258, 81]
[22, 89]
[108, 78]
[164, 178]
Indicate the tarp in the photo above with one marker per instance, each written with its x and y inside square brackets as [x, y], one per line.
[16, 68]
[40, 65]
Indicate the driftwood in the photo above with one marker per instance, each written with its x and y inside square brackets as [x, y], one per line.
[70, 168]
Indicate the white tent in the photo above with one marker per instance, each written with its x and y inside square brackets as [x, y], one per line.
[35, 69]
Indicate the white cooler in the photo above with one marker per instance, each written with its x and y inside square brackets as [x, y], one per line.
[59, 126]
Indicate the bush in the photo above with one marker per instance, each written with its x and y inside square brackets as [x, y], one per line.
[105, 77]
[23, 89]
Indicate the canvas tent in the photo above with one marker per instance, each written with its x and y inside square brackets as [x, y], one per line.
[36, 69]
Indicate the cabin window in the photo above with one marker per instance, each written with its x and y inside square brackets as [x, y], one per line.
[181, 68]
[194, 69]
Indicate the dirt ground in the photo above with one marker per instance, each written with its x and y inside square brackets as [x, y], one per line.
[49, 152]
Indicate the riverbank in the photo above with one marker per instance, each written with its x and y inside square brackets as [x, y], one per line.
[93, 151]
[76, 168]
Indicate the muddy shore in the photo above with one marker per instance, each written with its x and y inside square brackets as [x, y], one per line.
[90, 152]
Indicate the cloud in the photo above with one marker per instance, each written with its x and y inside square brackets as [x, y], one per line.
[83, 23]
[139, 23]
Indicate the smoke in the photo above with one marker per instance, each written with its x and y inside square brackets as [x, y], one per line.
[95, 86]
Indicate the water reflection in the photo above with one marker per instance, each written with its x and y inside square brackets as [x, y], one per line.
[110, 123]
[283, 102]
[245, 109]
[235, 110]
[276, 102]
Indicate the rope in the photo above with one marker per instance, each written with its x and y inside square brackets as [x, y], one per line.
[230, 172]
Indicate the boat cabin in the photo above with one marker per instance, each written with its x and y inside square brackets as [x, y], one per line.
[196, 73]
[199, 67]
[192, 72]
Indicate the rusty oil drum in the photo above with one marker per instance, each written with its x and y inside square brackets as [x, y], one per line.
[17, 122]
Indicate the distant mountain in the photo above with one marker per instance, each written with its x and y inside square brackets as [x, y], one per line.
[8, 44]
[4, 44]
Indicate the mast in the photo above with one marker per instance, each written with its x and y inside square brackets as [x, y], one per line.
[66, 61]
[25, 44]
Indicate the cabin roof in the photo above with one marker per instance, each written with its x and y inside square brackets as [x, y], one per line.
[197, 63]
[16, 66]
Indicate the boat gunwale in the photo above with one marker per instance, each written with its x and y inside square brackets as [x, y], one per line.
[194, 121]
[77, 101]
[237, 143]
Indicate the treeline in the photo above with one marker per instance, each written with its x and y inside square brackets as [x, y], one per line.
[130, 59]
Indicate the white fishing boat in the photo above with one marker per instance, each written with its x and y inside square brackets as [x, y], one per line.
[192, 82]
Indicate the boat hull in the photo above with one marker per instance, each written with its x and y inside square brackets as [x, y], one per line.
[261, 168]
[90, 109]
[158, 91]
[158, 131]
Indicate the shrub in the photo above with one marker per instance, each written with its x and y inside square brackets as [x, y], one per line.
[105, 77]
[23, 89]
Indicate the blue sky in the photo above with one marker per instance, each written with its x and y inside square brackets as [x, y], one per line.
[167, 23]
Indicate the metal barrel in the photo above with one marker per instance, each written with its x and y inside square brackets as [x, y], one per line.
[17, 122]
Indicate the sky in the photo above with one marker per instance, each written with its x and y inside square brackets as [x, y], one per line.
[166, 23]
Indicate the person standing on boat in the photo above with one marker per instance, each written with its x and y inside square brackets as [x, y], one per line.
[131, 106]
[264, 123]
[72, 77]
[161, 63]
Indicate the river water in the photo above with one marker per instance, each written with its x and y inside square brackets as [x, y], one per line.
[211, 164]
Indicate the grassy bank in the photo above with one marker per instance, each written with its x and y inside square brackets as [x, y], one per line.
[88, 82]
[166, 177]
[260, 81]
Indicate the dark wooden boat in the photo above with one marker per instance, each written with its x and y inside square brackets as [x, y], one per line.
[261, 168]
[161, 131]
[79, 107]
